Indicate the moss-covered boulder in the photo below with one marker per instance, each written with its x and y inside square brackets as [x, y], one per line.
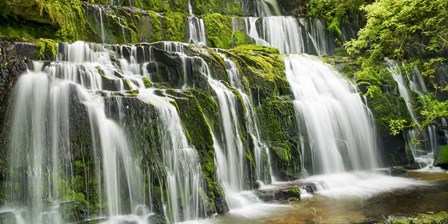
[195, 106]
[264, 77]
[441, 157]
[68, 19]
[280, 194]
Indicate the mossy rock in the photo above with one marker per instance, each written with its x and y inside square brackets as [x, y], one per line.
[69, 19]
[264, 70]
[218, 28]
[20, 30]
[282, 194]
[441, 157]
[47, 49]
[199, 134]
[174, 26]
[429, 218]
[278, 126]
[139, 120]
[201, 7]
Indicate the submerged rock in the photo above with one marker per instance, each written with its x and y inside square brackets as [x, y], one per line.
[282, 194]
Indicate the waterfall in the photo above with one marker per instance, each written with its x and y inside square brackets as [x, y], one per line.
[228, 145]
[267, 8]
[338, 133]
[288, 34]
[263, 170]
[196, 28]
[184, 179]
[100, 12]
[42, 124]
[41, 112]
[317, 36]
[394, 69]
[231, 164]
[422, 141]
[338, 126]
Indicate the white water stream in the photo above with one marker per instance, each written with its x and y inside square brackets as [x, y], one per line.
[196, 28]
[338, 126]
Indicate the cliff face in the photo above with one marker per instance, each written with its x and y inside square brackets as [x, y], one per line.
[190, 78]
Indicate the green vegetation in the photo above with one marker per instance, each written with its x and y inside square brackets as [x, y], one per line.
[47, 49]
[403, 29]
[432, 109]
[430, 218]
[15, 30]
[174, 26]
[414, 32]
[201, 7]
[441, 157]
[219, 28]
[335, 12]
[69, 20]
[198, 131]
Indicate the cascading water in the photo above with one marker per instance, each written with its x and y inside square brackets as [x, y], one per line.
[184, 179]
[196, 28]
[394, 69]
[338, 126]
[338, 132]
[42, 108]
[261, 151]
[267, 8]
[317, 37]
[421, 141]
[230, 151]
[286, 33]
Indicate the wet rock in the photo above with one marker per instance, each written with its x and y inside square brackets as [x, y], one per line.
[397, 171]
[441, 157]
[284, 192]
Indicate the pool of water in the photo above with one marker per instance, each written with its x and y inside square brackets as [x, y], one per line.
[428, 194]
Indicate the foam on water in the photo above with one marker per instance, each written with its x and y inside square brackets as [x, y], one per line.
[359, 184]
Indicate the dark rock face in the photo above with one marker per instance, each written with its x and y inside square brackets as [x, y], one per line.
[393, 149]
[441, 79]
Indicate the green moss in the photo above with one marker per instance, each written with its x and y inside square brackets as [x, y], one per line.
[208, 105]
[147, 82]
[264, 69]
[275, 116]
[199, 133]
[70, 18]
[218, 30]
[157, 5]
[253, 48]
[217, 6]
[25, 30]
[156, 34]
[174, 26]
[241, 38]
[388, 108]
[47, 49]
[441, 157]
[294, 193]
[278, 127]
[429, 218]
